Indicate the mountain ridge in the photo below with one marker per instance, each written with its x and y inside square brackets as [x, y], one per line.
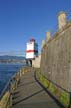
[5, 57]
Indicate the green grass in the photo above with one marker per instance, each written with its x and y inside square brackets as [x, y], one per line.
[52, 88]
[46, 83]
[65, 98]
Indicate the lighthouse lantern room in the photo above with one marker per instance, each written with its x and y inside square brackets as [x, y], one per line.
[31, 49]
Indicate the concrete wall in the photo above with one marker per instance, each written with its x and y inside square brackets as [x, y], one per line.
[36, 62]
[56, 58]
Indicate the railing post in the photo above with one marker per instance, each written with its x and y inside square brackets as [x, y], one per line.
[20, 73]
[19, 76]
[10, 100]
[16, 81]
[10, 90]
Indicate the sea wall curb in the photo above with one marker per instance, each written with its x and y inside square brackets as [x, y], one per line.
[59, 93]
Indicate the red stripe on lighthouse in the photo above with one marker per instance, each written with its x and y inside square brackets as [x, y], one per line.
[28, 51]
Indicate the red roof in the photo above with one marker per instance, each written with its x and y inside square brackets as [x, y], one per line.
[32, 40]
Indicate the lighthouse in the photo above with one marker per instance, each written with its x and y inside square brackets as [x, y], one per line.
[31, 49]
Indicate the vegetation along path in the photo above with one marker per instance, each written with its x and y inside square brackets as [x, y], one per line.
[30, 94]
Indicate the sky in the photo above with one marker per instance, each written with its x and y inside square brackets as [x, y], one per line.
[21, 20]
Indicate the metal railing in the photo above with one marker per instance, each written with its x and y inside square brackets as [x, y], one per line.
[6, 95]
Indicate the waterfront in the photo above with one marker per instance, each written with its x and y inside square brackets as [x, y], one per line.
[6, 72]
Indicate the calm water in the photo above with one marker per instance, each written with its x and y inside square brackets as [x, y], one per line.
[6, 72]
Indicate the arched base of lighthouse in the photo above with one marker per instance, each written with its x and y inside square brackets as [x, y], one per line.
[29, 62]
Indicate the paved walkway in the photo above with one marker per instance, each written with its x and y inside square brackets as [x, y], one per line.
[30, 94]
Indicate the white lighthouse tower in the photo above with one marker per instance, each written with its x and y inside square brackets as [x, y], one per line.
[31, 49]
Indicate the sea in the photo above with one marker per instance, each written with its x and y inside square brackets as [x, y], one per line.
[6, 72]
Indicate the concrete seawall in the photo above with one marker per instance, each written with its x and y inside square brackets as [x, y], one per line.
[56, 58]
